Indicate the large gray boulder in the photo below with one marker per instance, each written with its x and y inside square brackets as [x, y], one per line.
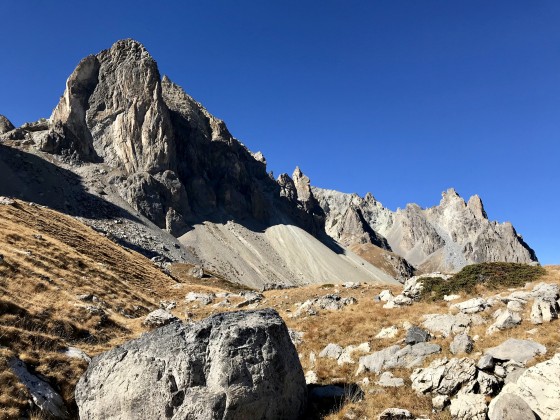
[229, 366]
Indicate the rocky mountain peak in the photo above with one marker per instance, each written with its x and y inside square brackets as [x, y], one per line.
[476, 206]
[113, 110]
[445, 237]
[452, 199]
[5, 125]
[303, 187]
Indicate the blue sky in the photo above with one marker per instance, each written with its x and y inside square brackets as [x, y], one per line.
[400, 98]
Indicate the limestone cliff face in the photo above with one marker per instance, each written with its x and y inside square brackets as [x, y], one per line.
[178, 164]
[113, 108]
[441, 238]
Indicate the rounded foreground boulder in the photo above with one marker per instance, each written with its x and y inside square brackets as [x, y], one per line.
[234, 365]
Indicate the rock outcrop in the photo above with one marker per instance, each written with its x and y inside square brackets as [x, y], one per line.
[231, 365]
[445, 238]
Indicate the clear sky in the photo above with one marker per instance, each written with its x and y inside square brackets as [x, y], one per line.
[401, 98]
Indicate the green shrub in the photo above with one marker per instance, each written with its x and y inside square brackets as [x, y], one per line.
[493, 275]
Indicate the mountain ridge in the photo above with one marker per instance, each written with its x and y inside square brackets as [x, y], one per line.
[151, 145]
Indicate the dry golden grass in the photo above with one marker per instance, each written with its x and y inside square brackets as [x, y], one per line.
[361, 322]
[50, 259]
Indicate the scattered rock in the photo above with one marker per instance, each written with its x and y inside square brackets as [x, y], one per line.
[311, 377]
[401, 300]
[374, 362]
[487, 384]
[395, 357]
[519, 350]
[447, 324]
[5, 125]
[468, 407]
[486, 362]
[396, 414]
[499, 371]
[386, 379]
[76, 353]
[417, 335]
[515, 306]
[230, 365]
[296, 337]
[168, 305]
[444, 376]
[386, 295]
[471, 306]
[546, 291]
[332, 302]
[505, 320]
[203, 298]
[449, 298]
[42, 394]
[5, 201]
[351, 285]
[513, 375]
[196, 271]
[306, 308]
[331, 351]
[389, 332]
[439, 402]
[544, 310]
[462, 343]
[159, 318]
[413, 288]
[346, 356]
[250, 298]
[520, 296]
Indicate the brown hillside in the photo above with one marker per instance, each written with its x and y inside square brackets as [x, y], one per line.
[63, 284]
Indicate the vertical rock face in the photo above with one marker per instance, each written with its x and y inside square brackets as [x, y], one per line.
[218, 171]
[69, 116]
[303, 187]
[5, 125]
[126, 114]
[441, 238]
[234, 365]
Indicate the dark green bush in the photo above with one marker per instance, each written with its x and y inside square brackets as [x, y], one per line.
[493, 275]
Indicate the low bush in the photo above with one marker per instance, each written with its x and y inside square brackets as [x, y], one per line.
[492, 275]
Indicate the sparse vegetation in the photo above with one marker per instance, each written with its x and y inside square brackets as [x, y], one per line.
[491, 276]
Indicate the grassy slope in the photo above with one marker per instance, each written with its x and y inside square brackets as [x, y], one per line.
[50, 259]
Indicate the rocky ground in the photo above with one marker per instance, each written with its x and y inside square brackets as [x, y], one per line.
[69, 293]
